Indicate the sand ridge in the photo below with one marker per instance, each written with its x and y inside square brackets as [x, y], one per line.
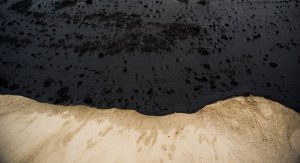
[248, 129]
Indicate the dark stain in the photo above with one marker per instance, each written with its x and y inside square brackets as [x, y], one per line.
[21, 6]
[158, 57]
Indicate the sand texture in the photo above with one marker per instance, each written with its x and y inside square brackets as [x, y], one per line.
[241, 129]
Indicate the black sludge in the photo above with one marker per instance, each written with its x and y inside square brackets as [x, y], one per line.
[155, 56]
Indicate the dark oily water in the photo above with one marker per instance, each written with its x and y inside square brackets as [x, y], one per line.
[155, 56]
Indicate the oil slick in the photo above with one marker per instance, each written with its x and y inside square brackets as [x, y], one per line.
[156, 56]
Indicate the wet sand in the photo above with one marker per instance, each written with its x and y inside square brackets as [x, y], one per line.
[241, 129]
[158, 57]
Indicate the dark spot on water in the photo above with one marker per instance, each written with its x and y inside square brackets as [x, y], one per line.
[21, 6]
[64, 3]
[272, 64]
[88, 100]
[202, 2]
[3, 83]
[89, 2]
[48, 82]
[203, 51]
[184, 1]
[206, 66]
[62, 95]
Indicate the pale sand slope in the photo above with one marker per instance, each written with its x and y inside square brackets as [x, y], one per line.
[251, 129]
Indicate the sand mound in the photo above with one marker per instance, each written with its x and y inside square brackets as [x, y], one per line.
[242, 129]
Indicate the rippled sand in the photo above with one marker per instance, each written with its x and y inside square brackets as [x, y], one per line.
[241, 129]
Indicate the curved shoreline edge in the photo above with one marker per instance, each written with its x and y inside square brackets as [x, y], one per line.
[240, 129]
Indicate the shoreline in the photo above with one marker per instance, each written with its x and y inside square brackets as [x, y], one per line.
[248, 129]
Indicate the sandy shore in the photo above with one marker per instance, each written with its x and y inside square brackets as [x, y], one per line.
[242, 129]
